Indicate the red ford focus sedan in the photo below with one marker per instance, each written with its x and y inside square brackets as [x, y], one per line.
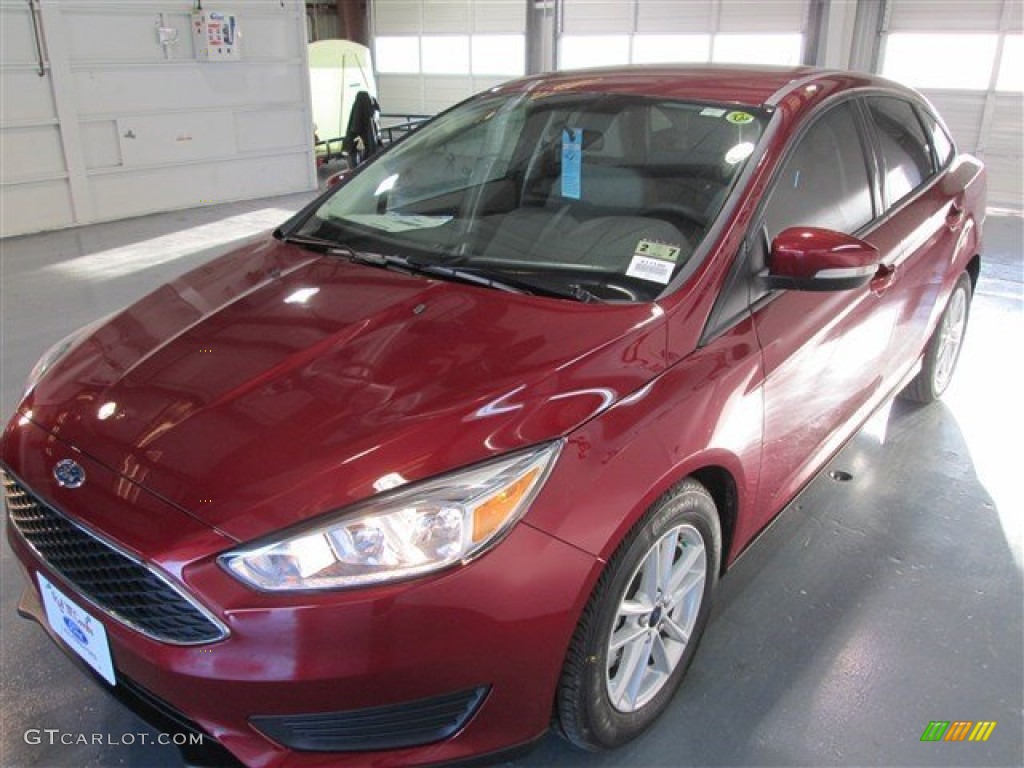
[463, 448]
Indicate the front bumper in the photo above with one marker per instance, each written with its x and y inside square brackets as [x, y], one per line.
[499, 625]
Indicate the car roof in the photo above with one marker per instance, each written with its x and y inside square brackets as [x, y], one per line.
[741, 84]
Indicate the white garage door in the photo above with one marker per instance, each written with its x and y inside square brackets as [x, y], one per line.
[109, 110]
[430, 54]
[968, 59]
[602, 32]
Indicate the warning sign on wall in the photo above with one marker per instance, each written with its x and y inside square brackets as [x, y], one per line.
[216, 36]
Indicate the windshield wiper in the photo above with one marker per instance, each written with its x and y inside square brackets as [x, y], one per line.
[500, 281]
[471, 275]
[308, 241]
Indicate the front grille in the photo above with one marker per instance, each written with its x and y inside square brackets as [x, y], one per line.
[409, 724]
[113, 581]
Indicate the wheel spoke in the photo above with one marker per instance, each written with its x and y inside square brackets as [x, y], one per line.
[683, 567]
[637, 607]
[628, 635]
[674, 631]
[693, 579]
[638, 671]
[659, 657]
[667, 555]
[649, 577]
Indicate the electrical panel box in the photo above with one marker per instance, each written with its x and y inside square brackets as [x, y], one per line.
[216, 36]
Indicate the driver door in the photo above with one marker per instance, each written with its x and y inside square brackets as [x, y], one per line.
[824, 352]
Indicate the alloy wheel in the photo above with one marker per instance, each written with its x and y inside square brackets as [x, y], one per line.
[951, 337]
[656, 617]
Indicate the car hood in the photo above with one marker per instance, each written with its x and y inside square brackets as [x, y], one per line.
[274, 384]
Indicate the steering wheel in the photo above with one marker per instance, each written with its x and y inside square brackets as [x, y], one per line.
[674, 212]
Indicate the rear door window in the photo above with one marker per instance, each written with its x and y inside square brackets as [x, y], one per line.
[904, 147]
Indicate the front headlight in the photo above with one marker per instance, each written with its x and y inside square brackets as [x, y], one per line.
[400, 534]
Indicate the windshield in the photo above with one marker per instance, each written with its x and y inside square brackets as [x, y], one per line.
[605, 196]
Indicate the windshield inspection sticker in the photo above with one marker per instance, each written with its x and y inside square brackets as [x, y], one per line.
[572, 152]
[739, 118]
[712, 112]
[653, 261]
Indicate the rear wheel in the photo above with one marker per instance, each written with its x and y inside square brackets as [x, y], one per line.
[943, 351]
[640, 630]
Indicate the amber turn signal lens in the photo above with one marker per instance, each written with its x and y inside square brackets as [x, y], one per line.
[492, 514]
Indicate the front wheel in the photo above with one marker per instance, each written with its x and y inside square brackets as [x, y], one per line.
[640, 629]
[943, 350]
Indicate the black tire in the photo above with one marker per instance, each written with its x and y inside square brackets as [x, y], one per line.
[585, 713]
[939, 362]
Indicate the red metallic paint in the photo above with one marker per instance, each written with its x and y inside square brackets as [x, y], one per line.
[804, 252]
[238, 414]
[351, 385]
[322, 652]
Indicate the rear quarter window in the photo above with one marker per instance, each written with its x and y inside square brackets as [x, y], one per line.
[941, 143]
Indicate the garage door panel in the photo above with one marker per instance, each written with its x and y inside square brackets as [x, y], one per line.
[1016, 18]
[464, 46]
[441, 92]
[264, 130]
[962, 111]
[743, 17]
[400, 94]
[268, 36]
[17, 41]
[583, 17]
[658, 18]
[103, 92]
[88, 34]
[27, 98]
[34, 207]
[31, 152]
[446, 18]
[1007, 125]
[100, 144]
[1005, 180]
[117, 195]
[499, 16]
[945, 16]
[175, 138]
[397, 17]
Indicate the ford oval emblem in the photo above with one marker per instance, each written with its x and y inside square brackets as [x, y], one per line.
[69, 474]
[75, 630]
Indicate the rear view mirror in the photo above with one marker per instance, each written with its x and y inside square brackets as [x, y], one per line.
[814, 259]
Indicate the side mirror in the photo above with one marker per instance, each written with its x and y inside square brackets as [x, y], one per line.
[814, 259]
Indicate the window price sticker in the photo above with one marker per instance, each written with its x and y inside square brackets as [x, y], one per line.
[653, 261]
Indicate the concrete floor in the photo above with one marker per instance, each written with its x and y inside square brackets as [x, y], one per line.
[870, 608]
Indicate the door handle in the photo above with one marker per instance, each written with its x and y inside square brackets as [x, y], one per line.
[883, 279]
[955, 217]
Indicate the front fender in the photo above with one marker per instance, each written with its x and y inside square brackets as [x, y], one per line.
[707, 410]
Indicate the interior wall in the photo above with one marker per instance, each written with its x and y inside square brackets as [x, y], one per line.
[101, 121]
